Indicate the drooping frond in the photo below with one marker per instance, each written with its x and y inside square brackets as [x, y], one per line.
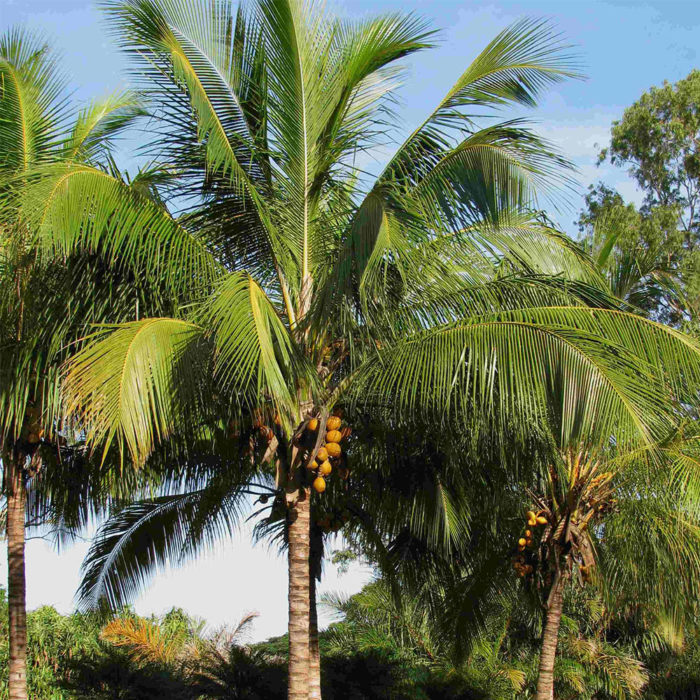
[514, 363]
[76, 207]
[130, 382]
[137, 541]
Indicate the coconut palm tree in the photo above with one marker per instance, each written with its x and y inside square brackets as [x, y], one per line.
[424, 288]
[43, 304]
[625, 523]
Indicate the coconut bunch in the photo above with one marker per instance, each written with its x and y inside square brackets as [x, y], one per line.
[329, 455]
[524, 561]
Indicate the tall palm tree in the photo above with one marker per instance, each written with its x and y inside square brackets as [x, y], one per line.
[43, 303]
[316, 283]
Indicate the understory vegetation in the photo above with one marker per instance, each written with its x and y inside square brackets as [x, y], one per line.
[375, 650]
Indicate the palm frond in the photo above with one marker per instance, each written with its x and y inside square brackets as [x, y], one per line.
[128, 383]
[99, 123]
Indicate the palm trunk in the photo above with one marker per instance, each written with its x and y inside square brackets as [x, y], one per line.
[299, 597]
[550, 637]
[314, 651]
[16, 584]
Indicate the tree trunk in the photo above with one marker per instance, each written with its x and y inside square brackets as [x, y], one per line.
[550, 637]
[299, 596]
[16, 584]
[314, 651]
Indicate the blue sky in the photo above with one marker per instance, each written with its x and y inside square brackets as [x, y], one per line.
[625, 47]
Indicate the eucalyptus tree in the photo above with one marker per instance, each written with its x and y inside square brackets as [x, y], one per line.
[423, 288]
[43, 304]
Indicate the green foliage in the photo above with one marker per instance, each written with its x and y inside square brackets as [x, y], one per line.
[657, 141]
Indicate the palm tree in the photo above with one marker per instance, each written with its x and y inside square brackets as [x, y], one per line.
[624, 521]
[315, 283]
[43, 304]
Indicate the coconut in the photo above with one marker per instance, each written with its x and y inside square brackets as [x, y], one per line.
[325, 468]
[322, 454]
[333, 449]
[333, 423]
[319, 484]
[312, 425]
[334, 436]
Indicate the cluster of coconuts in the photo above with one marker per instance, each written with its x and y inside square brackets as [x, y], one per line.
[334, 520]
[329, 453]
[519, 563]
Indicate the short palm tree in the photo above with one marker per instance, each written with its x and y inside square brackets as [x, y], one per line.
[43, 304]
[309, 282]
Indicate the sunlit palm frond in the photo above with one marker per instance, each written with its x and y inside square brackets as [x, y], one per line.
[32, 109]
[79, 207]
[128, 386]
[99, 124]
[514, 362]
[514, 68]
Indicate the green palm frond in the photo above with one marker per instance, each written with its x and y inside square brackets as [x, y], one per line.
[510, 364]
[128, 385]
[255, 354]
[32, 110]
[99, 123]
[79, 207]
[514, 68]
[142, 538]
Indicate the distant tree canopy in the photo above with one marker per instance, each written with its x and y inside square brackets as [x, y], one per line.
[657, 141]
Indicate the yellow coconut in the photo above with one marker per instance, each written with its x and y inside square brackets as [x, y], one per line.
[530, 515]
[325, 468]
[312, 465]
[528, 533]
[312, 425]
[333, 436]
[541, 520]
[333, 423]
[333, 449]
[319, 484]
[532, 522]
[322, 455]
[522, 541]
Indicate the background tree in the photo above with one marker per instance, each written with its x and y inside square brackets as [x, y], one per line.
[657, 142]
